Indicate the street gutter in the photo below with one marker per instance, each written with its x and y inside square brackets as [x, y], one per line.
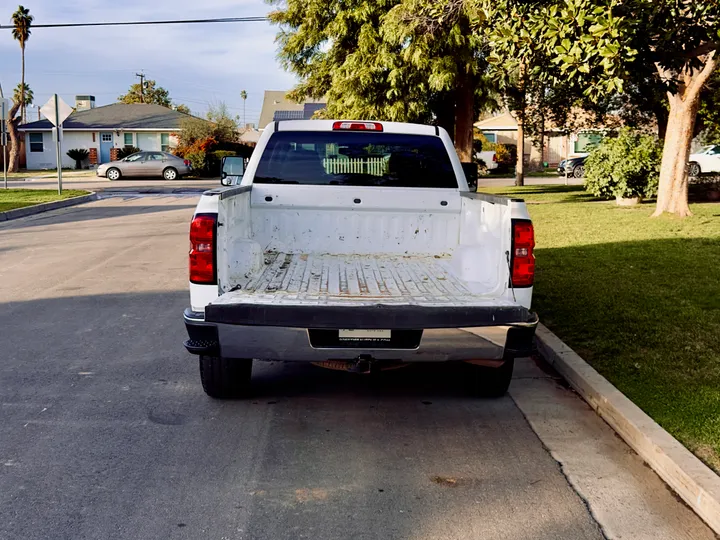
[690, 478]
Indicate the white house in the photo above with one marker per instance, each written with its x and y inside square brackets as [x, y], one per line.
[100, 129]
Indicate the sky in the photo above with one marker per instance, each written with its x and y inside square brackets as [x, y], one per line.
[199, 64]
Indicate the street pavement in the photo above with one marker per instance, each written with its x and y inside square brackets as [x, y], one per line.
[105, 431]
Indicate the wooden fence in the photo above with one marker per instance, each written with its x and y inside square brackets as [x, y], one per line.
[375, 166]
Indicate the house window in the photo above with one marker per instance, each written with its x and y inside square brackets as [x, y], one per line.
[36, 142]
[128, 140]
[491, 137]
[165, 142]
[587, 141]
[106, 137]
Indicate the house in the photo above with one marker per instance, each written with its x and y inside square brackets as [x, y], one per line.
[557, 143]
[103, 131]
[276, 107]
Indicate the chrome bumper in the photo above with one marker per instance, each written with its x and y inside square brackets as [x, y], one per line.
[293, 344]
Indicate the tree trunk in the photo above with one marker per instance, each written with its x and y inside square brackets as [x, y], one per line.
[673, 188]
[444, 111]
[12, 127]
[22, 82]
[520, 162]
[464, 119]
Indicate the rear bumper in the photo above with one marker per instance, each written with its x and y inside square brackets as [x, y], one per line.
[490, 342]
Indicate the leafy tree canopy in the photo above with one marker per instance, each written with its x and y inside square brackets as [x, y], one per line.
[151, 93]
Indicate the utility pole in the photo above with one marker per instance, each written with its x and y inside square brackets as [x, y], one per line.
[142, 86]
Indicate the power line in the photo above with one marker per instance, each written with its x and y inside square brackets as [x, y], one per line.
[138, 23]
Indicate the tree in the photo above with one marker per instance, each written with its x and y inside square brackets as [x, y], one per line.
[598, 45]
[384, 60]
[151, 93]
[244, 96]
[182, 108]
[26, 97]
[22, 21]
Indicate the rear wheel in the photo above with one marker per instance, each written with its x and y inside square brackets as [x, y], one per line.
[170, 173]
[694, 169]
[113, 174]
[491, 382]
[579, 171]
[225, 378]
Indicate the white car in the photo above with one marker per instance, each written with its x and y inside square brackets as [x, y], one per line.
[358, 245]
[707, 160]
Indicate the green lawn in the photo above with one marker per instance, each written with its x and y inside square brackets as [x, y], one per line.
[639, 299]
[19, 198]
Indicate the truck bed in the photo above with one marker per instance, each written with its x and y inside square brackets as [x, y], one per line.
[354, 280]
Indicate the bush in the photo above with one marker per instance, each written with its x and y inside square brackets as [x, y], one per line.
[197, 159]
[624, 166]
[79, 155]
[506, 155]
[126, 151]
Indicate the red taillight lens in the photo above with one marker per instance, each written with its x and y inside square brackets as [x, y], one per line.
[357, 126]
[186, 162]
[523, 260]
[202, 249]
[495, 158]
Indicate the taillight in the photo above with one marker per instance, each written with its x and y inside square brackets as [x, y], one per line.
[495, 158]
[202, 249]
[186, 162]
[523, 260]
[357, 126]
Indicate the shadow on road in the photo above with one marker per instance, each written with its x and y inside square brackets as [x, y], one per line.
[101, 210]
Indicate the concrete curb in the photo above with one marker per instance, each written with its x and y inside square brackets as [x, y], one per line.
[46, 207]
[689, 477]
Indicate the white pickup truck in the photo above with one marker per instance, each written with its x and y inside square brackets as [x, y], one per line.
[357, 245]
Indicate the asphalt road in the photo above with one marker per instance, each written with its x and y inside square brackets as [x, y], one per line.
[106, 433]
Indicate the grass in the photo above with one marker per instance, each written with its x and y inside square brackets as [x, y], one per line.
[11, 199]
[638, 298]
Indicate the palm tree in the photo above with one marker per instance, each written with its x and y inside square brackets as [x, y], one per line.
[27, 97]
[22, 20]
[243, 95]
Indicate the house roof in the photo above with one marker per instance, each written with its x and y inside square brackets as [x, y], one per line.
[276, 100]
[288, 115]
[118, 116]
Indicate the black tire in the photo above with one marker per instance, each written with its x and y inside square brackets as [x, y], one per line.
[170, 173]
[694, 169]
[111, 172]
[490, 382]
[225, 378]
[578, 171]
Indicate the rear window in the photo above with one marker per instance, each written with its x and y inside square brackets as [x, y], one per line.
[340, 158]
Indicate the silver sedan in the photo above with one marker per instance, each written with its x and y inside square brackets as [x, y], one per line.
[146, 164]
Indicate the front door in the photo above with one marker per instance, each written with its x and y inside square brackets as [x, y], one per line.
[106, 143]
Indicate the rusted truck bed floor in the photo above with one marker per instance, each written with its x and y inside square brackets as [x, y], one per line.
[318, 279]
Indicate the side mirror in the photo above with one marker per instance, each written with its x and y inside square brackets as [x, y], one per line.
[224, 180]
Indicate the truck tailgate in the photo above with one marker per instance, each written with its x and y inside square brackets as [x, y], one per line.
[359, 291]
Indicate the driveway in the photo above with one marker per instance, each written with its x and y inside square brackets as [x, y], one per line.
[106, 433]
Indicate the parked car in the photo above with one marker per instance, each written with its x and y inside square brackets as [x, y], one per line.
[357, 245]
[575, 166]
[146, 164]
[489, 157]
[707, 160]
